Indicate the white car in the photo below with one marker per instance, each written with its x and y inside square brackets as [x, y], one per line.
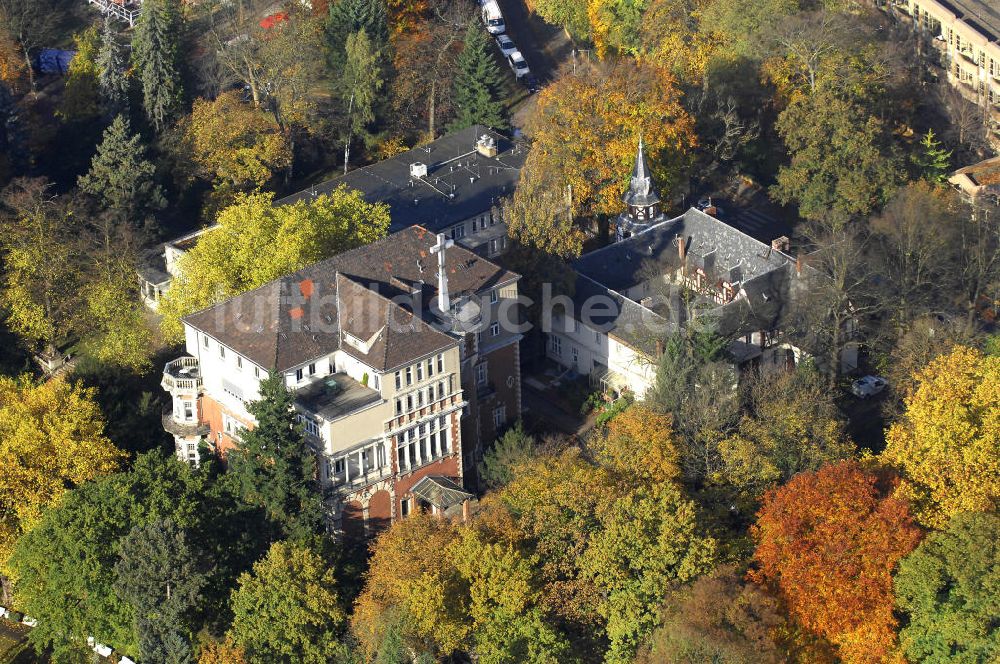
[493, 18]
[506, 45]
[517, 63]
[868, 386]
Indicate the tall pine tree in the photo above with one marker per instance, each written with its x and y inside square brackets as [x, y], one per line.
[112, 67]
[349, 16]
[156, 54]
[274, 466]
[160, 574]
[477, 84]
[120, 177]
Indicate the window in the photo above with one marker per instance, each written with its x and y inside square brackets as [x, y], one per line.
[440, 363]
[481, 374]
[458, 232]
[430, 367]
[495, 329]
[401, 453]
[409, 375]
[222, 351]
[404, 507]
[409, 402]
[379, 456]
[206, 342]
[555, 345]
[239, 363]
[420, 398]
[256, 372]
[420, 372]
[188, 411]
[298, 375]
[312, 369]
[576, 355]
[430, 394]
[499, 416]
[399, 406]
[494, 296]
[399, 382]
[338, 466]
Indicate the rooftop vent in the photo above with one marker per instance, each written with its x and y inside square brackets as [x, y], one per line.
[487, 146]
[418, 169]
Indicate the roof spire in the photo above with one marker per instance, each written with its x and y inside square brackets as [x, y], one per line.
[641, 192]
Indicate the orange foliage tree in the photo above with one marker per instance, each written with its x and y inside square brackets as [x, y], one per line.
[587, 126]
[222, 653]
[828, 542]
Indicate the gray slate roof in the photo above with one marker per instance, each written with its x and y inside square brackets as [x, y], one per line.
[453, 167]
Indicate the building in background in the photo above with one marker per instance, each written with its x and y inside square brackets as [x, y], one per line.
[400, 367]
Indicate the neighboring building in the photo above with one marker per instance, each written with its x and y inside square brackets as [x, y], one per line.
[662, 275]
[453, 185]
[979, 183]
[161, 267]
[398, 382]
[966, 35]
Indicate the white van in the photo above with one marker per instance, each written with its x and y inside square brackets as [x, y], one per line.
[493, 18]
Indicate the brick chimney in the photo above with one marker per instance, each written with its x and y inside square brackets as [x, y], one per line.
[465, 511]
[798, 265]
[781, 243]
[682, 248]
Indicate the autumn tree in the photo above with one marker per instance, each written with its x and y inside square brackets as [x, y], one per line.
[586, 131]
[945, 443]
[120, 177]
[947, 589]
[13, 69]
[257, 241]
[41, 273]
[638, 443]
[540, 215]
[80, 98]
[238, 145]
[29, 24]
[792, 426]
[478, 94]
[304, 624]
[828, 542]
[222, 653]
[52, 435]
[718, 618]
[410, 572]
[156, 55]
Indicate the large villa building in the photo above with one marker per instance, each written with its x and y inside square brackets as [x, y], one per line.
[400, 369]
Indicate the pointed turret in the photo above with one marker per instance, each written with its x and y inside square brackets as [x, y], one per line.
[641, 192]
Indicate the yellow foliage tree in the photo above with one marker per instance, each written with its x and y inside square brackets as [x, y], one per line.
[946, 443]
[240, 145]
[408, 573]
[639, 445]
[80, 99]
[51, 439]
[587, 128]
[257, 241]
[222, 653]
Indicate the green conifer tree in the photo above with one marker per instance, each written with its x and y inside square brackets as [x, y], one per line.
[933, 161]
[477, 84]
[112, 67]
[156, 54]
[347, 17]
[120, 177]
[274, 466]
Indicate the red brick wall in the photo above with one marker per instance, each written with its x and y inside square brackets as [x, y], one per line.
[210, 412]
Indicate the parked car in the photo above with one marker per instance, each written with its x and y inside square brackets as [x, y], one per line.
[517, 63]
[868, 386]
[529, 81]
[506, 45]
[493, 18]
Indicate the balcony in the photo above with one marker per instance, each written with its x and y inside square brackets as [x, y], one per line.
[335, 396]
[182, 375]
[182, 429]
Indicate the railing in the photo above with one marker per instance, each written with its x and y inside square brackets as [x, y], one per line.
[182, 374]
[130, 16]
